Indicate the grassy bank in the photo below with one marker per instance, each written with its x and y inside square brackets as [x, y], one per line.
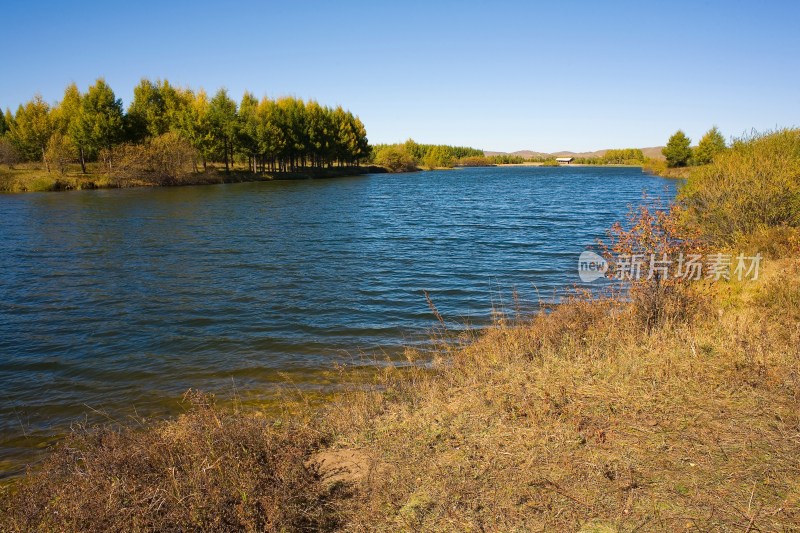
[35, 178]
[660, 168]
[591, 416]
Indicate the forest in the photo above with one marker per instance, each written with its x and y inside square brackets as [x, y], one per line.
[168, 130]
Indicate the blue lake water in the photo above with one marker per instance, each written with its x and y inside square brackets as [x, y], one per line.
[120, 300]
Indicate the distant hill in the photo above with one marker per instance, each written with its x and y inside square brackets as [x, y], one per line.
[653, 152]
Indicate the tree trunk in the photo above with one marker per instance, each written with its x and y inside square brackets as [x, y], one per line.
[83, 160]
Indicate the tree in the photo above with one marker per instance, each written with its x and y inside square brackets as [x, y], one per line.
[145, 114]
[271, 139]
[155, 110]
[709, 146]
[60, 152]
[223, 123]
[8, 153]
[100, 122]
[293, 117]
[318, 132]
[417, 151]
[248, 129]
[678, 150]
[395, 158]
[361, 149]
[437, 157]
[8, 120]
[194, 125]
[31, 129]
[3, 125]
[68, 110]
[66, 118]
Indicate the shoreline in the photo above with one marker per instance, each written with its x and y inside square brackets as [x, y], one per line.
[37, 180]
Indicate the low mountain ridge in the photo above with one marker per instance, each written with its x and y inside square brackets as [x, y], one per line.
[652, 152]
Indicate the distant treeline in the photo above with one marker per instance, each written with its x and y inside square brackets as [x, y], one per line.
[267, 135]
[623, 156]
[410, 155]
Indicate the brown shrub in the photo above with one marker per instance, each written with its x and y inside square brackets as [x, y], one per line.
[659, 292]
[165, 160]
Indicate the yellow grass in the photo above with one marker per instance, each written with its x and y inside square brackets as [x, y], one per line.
[576, 420]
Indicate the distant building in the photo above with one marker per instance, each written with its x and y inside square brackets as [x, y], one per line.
[564, 160]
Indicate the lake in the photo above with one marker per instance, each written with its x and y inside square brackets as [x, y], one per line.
[118, 301]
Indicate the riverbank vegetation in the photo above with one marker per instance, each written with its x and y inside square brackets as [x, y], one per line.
[675, 409]
[170, 135]
[410, 155]
[681, 159]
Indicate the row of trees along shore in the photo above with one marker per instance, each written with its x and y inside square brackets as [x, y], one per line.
[164, 121]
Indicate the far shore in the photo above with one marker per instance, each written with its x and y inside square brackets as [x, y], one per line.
[34, 178]
[26, 179]
[541, 164]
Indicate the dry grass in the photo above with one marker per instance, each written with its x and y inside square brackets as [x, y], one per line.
[208, 470]
[659, 168]
[577, 420]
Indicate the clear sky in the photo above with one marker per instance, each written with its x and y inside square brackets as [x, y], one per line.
[495, 75]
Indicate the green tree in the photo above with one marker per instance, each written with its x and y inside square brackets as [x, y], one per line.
[8, 120]
[417, 151]
[100, 122]
[319, 126]
[66, 117]
[194, 125]
[3, 125]
[68, 109]
[271, 139]
[155, 110]
[145, 113]
[361, 149]
[293, 122]
[223, 125]
[396, 159]
[31, 129]
[709, 146]
[437, 157]
[248, 129]
[678, 150]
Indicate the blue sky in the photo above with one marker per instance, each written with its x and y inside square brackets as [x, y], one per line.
[500, 76]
